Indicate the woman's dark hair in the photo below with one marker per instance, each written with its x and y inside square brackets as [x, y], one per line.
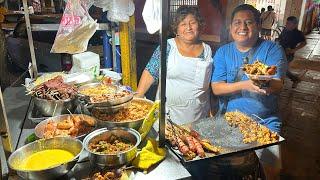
[182, 12]
[247, 7]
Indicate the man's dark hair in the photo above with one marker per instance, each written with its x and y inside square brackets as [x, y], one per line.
[293, 19]
[263, 10]
[247, 7]
[269, 8]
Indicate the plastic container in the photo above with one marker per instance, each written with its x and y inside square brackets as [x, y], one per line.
[86, 62]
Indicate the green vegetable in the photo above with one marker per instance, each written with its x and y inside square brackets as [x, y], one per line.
[32, 137]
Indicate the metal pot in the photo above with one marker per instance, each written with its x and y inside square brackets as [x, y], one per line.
[66, 143]
[112, 160]
[135, 124]
[40, 128]
[55, 107]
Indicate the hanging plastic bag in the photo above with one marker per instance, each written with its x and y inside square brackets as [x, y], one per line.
[104, 4]
[151, 15]
[118, 10]
[76, 28]
[121, 10]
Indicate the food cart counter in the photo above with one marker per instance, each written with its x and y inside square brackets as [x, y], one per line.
[17, 106]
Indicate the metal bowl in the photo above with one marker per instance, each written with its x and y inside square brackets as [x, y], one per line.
[106, 109]
[112, 160]
[114, 102]
[39, 130]
[66, 143]
[55, 107]
[135, 124]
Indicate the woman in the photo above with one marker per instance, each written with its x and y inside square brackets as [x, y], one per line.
[188, 69]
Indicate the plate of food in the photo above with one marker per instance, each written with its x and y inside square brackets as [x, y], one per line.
[259, 71]
[73, 125]
[98, 94]
[54, 96]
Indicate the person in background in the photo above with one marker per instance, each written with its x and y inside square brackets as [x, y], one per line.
[261, 12]
[318, 22]
[292, 39]
[268, 18]
[189, 66]
[238, 93]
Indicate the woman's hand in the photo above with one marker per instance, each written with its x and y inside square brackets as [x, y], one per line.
[138, 95]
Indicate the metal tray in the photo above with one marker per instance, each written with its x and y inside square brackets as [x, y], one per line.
[217, 130]
[36, 116]
[104, 103]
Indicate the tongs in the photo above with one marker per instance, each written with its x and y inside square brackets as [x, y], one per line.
[191, 133]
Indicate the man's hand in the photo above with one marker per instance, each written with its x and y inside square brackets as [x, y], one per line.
[251, 86]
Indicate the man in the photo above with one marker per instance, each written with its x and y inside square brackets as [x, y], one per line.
[291, 39]
[235, 91]
[268, 18]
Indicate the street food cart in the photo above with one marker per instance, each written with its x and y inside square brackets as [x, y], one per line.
[213, 133]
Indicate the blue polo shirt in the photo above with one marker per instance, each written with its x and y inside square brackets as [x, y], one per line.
[227, 62]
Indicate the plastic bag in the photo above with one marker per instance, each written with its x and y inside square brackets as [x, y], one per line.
[104, 4]
[121, 10]
[118, 10]
[76, 28]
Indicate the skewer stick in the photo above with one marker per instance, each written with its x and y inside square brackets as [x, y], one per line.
[259, 118]
[70, 113]
[55, 107]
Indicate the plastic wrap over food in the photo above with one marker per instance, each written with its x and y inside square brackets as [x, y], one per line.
[76, 28]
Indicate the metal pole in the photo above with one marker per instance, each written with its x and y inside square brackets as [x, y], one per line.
[4, 131]
[163, 68]
[6, 6]
[30, 39]
[128, 53]
[113, 41]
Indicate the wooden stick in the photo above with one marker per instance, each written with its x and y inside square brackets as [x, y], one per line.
[70, 113]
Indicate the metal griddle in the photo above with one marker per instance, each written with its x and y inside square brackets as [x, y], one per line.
[217, 130]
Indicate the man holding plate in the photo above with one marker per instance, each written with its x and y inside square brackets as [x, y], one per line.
[229, 82]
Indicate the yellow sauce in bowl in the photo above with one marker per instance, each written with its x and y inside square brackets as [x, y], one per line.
[45, 159]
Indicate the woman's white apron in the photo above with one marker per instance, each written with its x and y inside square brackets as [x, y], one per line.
[187, 85]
